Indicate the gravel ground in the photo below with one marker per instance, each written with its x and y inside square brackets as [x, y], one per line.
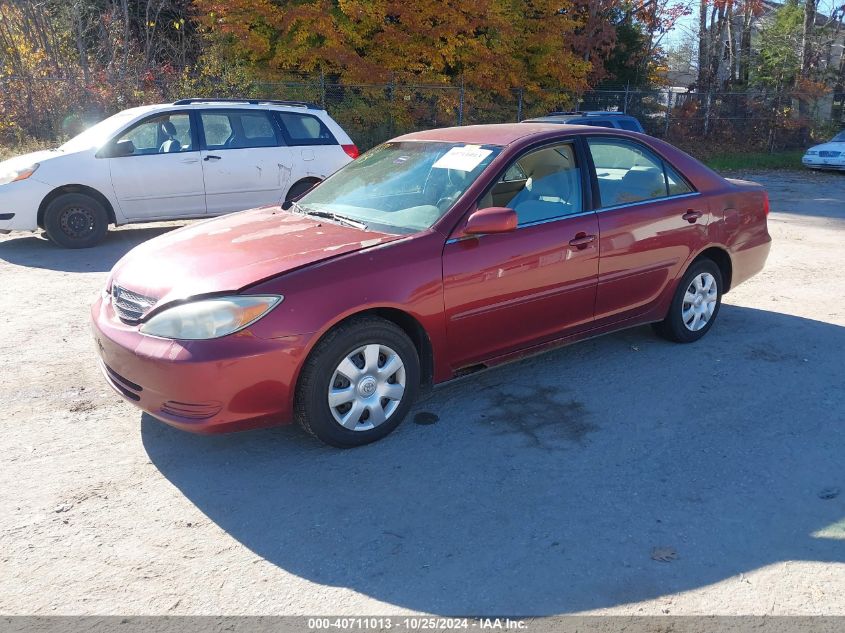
[621, 475]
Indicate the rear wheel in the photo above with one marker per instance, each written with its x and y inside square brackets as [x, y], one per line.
[695, 305]
[75, 220]
[358, 384]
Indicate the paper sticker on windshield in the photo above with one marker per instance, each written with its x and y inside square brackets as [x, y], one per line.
[464, 158]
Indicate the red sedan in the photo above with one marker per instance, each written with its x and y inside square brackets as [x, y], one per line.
[434, 255]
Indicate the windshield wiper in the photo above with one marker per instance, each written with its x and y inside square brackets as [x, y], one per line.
[340, 219]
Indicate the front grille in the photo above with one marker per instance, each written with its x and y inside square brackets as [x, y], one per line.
[829, 154]
[130, 306]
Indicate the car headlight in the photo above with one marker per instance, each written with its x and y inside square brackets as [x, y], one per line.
[18, 174]
[811, 152]
[210, 318]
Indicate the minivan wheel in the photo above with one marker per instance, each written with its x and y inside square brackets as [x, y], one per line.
[695, 305]
[358, 383]
[74, 220]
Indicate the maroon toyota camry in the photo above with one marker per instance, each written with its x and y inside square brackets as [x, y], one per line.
[433, 255]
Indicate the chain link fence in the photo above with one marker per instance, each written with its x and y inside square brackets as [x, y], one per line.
[50, 109]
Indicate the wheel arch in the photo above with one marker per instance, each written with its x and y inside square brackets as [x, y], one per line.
[722, 259]
[310, 180]
[73, 188]
[408, 323]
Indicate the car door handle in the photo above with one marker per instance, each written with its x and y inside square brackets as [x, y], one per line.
[692, 215]
[212, 157]
[582, 240]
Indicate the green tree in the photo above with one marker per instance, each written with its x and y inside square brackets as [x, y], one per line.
[779, 58]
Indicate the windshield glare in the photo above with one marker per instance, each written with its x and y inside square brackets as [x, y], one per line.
[97, 135]
[401, 187]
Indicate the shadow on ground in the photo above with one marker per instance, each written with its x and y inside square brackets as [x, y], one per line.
[36, 251]
[546, 485]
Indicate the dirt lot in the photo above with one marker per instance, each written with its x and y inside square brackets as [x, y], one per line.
[548, 486]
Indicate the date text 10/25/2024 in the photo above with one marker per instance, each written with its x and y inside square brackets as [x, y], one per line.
[415, 623]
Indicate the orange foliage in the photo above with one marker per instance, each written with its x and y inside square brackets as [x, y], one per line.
[492, 44]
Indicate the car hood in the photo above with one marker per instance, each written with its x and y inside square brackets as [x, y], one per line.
[25, 160]
[829, 147]
[237, 250]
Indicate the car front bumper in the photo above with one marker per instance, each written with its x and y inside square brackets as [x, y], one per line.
[19, 202]
[233, 383]
[819, 162]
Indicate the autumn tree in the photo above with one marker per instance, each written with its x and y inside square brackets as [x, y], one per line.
[493, 44]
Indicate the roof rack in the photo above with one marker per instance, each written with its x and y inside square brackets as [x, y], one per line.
[295, 104]
[589, 113]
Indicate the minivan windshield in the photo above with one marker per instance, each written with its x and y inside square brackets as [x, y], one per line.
[400, 187]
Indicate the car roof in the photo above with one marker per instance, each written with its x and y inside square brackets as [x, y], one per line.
[516, 136]
[491, 134]
[234, 104]
[585, 116]
[588, 113]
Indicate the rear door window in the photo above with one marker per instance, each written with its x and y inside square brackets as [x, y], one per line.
[676, 184]
[238, 129]
[628, 172]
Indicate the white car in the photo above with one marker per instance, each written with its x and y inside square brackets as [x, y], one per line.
[194, 158]
[830, 155]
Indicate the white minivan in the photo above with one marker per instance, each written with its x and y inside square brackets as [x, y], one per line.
[194, 158]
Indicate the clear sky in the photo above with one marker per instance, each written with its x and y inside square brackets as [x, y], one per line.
[689, 24]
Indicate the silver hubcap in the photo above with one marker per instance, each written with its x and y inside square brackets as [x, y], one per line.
[699, 302]
[367, 387]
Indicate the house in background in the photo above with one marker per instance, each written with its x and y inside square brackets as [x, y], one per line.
[828, 58]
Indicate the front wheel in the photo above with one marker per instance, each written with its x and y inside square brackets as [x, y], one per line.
[358, 384]
[695, 305]
[74, 220]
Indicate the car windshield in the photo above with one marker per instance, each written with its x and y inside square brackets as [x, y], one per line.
[96, 135]
[839, 138]
[401, 187]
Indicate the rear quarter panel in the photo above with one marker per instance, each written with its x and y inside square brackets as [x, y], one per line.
[739, 209]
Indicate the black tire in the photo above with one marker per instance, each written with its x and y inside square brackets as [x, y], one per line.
[311, 409]
[673, 327]
[75, 220]
[300, 188]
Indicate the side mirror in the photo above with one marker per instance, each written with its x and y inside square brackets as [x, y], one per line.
[120, 149]
[491, 220]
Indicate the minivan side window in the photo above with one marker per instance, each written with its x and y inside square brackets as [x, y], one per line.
[542, 184]
[628, 173]
[304, 129]
[238, 129]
